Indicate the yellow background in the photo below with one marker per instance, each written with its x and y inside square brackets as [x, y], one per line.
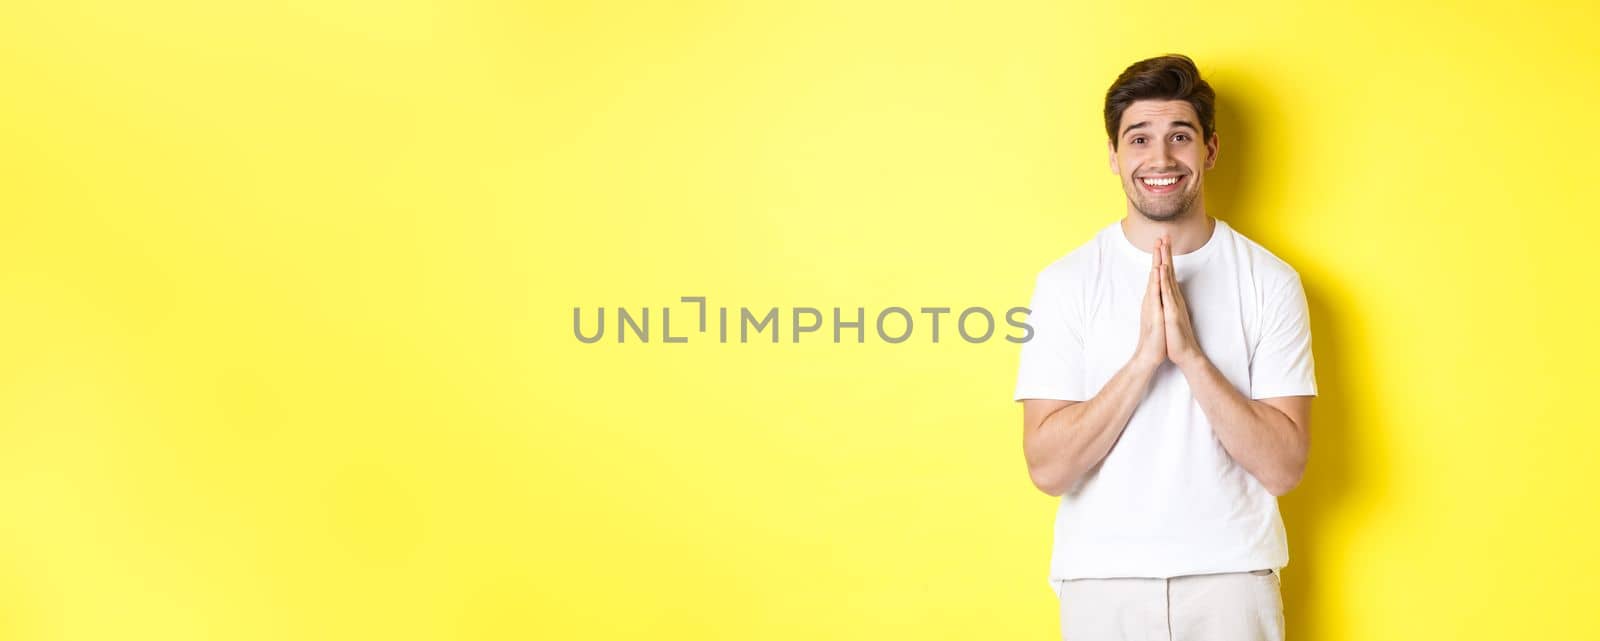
[286, 295]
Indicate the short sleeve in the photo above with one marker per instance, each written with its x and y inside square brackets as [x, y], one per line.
[1051, 366]
[1282, 364]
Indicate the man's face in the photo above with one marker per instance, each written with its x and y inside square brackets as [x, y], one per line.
[1159, 141]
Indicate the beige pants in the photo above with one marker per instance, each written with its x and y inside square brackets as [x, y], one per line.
[1234, 606]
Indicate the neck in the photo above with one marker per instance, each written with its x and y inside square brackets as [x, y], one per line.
[1187, 233]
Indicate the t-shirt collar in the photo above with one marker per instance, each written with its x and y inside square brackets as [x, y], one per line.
[1178, 260]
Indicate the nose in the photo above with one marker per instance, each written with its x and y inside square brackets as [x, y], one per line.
[1161, 158]
[1164, 154]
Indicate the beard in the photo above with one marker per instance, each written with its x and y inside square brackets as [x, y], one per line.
[1163, 209]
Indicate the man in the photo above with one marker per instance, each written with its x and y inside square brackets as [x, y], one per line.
[1167, 392]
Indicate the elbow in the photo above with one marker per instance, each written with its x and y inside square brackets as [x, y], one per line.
[1052, 480]
[1286, 480]
[1047, 480]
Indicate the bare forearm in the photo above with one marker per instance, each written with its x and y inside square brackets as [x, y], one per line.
[1072, 440]
[1259, 437]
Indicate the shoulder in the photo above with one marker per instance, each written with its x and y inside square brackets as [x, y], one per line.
[1270, 272]
[1074, 267]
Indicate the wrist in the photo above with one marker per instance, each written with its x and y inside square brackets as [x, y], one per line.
[1191, 362]
[1147, 366]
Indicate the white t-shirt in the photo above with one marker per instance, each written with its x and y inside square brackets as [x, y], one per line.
[1167, 500]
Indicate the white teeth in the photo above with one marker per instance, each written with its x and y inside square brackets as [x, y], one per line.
[1160, 182]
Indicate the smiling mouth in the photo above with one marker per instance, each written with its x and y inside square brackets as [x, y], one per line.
[1162, 185]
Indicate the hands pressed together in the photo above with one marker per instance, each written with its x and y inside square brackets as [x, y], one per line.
[1165, 332]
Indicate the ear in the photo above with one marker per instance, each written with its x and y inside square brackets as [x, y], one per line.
[1211, 151]
[1111, 153]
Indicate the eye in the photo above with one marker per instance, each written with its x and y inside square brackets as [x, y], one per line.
[1138, 140]
[1181, 137]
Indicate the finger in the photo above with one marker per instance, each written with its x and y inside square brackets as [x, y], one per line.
[1168, 306]
[1155, 264]
[1169, 268]
[1152, 291]
[1174, 294]
[1169, 275]
[1177, 292]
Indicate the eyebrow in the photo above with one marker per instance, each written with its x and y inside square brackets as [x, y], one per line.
[1175, 124]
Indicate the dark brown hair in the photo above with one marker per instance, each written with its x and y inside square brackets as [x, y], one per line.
[1169, 77]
